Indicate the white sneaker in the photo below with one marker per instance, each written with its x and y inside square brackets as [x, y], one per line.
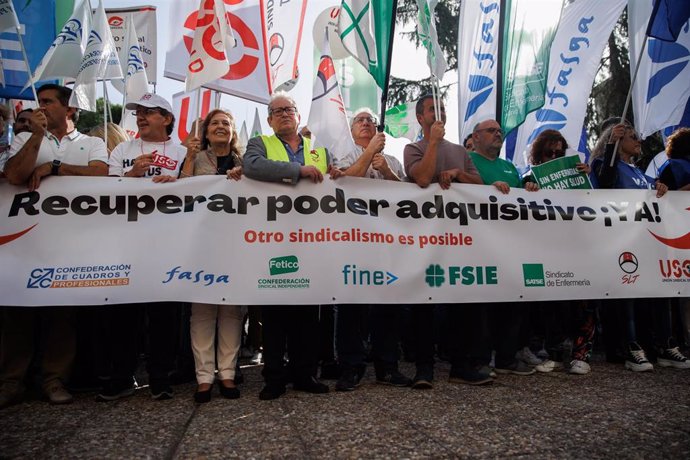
[672, 357]
[636, 360]
[579, 367]
[526, 356]
[548, 366]
[57, 394]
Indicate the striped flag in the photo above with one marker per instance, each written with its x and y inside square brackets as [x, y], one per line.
[426, 29]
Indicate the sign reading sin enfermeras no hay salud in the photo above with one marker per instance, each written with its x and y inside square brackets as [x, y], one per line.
[91, 241]
[561, 173]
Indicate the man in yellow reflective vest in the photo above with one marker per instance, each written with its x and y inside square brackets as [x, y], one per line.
[287, 156]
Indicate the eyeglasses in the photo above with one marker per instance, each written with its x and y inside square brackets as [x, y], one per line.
[490, 130]
[362, 120]
[146, 111]
[554, 153]
[284, 110]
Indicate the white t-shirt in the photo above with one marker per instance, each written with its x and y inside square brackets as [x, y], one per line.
[168, 157]
[352, 157]
[74, 149]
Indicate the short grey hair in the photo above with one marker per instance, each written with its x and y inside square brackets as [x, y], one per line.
[280, 95]
[362, 110]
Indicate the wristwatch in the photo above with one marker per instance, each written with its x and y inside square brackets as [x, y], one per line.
[55, 168]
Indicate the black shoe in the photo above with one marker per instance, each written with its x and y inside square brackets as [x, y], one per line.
[422, 381]
[393, 378]
[239, 377]
[161, 391]
[271, 392]
[310, 385]
[469, 377]
[203, 396]
[228, 392]
[114, 390]
[350, 379]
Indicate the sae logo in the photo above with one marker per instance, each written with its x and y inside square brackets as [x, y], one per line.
[281, 265]
[534, 275]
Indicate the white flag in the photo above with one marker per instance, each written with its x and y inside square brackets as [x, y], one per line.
[100, 62]
[256, 126]
[282, 33]
[8, 17]
[478, 52]
[426, 29]
[401, 121]
[576, 50]
[243, 136]
[356, 29]
[136, 83]
[64, 57]
[327, 118]
[208, 58]
[661, 90]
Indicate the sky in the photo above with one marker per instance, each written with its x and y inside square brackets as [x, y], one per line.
[408, 62]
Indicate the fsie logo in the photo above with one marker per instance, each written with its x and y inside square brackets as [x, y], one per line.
[465, 275]
[533, 275]
[281, 265]
[359, 277]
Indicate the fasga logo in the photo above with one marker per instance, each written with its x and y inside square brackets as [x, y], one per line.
[662, 52]
[359, 277]
[481, 85]
[198, 276]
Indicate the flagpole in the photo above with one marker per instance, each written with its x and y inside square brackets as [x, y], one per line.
[499, 63]
[629, 96]
[198, 112]
[105, 113]
[26, 61]
[389, 58]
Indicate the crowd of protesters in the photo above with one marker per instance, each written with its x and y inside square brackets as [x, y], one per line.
[62, 348]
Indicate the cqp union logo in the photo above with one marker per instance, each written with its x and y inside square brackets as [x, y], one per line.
[281, 265]
[40, 278]
[435, 275]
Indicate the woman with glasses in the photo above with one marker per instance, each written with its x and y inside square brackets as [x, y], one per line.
[216, 153]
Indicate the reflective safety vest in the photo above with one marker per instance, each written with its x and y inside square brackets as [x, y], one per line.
[275, 150]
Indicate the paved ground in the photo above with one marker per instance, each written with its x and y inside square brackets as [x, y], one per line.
[610, 413]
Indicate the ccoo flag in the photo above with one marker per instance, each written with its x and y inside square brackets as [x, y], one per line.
[327, 117]
[63, 58]
[364, 27]
[208, 58]
[100, 62]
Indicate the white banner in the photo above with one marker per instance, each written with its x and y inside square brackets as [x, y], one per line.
[185, 111]
[478, 52]
[247, 75]
[661, 90]
[282, 23]
[145, 24]
[576, 51]
[89, 241]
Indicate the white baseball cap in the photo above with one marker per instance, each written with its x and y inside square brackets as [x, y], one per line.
[150, 100]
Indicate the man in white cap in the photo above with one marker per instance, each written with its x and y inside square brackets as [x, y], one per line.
[153, 155]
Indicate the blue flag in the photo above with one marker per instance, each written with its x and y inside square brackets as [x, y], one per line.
[668, 17]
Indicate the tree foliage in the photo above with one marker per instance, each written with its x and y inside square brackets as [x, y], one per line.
[88, 120]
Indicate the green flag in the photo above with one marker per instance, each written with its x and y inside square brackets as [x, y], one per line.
[561, 173]
[401, 121]
[529, 28]
[365, 27]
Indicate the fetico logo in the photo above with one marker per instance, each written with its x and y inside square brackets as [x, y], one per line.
[79, 276]
[281, 265]
[359, 277]
[465, 275]
[533, 275]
